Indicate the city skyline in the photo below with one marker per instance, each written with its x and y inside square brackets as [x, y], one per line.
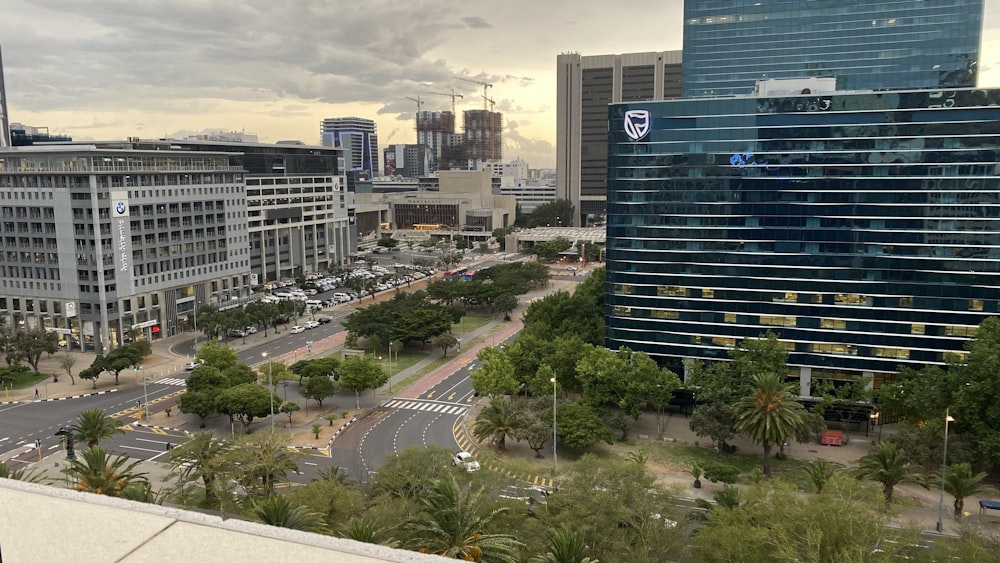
[113, 69]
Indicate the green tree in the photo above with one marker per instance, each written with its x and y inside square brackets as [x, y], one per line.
[557, 213]
[497, 421]
[388, 242]
[261, 461]
[365, 530]
[201, 458]
[318, 388]
[715, 421]
[276, 510]
[67, 363]
[361, 373]
[201, 403]
[97, 472]
[769, 415]
[409, 475]
[247, 402]
[505, 304]
[30, 345]
[550, 250]
[495, 377]
[452, 524]
[885, 465]
[337, 501]
[974, 388]
[93, 425]
[289, 408]
[565, 545]
[580, 426]
[217, 355]
[445, 342]
[961, 483]
[93, 371]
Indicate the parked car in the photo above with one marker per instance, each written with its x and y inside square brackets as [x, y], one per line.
[466, 459]
[251, 330]
[311, 324]
[298, 329]
[237, 333]
[191, 366]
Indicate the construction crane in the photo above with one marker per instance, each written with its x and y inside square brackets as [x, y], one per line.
[418, 100]
[492, 103]
[482, 83]
[452, 95]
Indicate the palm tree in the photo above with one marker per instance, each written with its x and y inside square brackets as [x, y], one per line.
[19, 474]
[769, 415]
[201, 458]
[960, 483]
[886, 465]
[365, 530]
[275, 510]
[818, 472]
[97, 472]
[496, 421]
[565, 546]
[450, 525]
[93, 425]
[262, 460]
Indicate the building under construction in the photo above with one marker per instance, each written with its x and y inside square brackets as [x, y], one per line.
[483, 135]
[436, 129]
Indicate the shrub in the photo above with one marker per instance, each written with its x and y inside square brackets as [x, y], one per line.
[721, 472]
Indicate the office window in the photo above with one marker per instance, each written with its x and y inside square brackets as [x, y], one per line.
[671, 290]
[850, 299]
[664, 314]
[786, 297]
[901, 353]
[967, 331]
[975, 304]
[621, 311]
[708, 293]
[917, 328]
[838, 324]
[777, 320]
[834, 348]
[730, 317]
[723, 341]
[905, 301]
[622, 288]
[955, 357]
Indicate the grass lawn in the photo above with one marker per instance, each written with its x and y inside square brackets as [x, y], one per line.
[28, 379]
[681, 456]
[469, 323]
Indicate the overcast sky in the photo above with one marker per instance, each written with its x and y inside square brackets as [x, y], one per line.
[109, 69]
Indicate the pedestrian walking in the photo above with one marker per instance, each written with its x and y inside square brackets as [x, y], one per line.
[36, 392]
[169, 446]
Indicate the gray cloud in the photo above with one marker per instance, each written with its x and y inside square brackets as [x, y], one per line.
[477, 22]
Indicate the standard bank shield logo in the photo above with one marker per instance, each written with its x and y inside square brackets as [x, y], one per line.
[637, 123]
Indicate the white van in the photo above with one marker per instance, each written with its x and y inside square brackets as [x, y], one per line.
[314, 303]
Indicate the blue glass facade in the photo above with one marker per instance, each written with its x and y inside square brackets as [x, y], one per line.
[867, 45]
[862, 228]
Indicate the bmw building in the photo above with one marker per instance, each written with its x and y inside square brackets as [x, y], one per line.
[863, 228]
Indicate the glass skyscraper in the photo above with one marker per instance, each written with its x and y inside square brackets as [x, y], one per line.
[862, 228]
[866, 45]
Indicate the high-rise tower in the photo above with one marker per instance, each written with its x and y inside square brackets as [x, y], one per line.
[359, 139]
[585, 87]
[865, 44]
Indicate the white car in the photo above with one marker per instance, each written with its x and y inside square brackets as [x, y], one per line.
[570, 268]
[191, 366]
[298, 329]
[466, 459]
[311, 324]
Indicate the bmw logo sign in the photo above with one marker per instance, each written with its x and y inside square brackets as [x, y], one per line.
[120, 208]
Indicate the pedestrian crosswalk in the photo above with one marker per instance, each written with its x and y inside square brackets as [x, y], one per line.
[426, 406]
[172, 381]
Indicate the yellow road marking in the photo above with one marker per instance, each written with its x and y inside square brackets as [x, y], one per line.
[430, 395]
[127, 427]
[158, 431]
[450, 397]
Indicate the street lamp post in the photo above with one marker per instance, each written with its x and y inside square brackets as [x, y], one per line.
[270, 398]
[390, 367]
[944, 469]
[555, 455]
[196, 303]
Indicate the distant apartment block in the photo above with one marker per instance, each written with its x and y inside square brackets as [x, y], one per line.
[359, 139]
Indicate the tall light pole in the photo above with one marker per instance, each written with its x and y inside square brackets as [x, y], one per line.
[196, 303]
[555, 456]
[944, 470]
[390, 367]
[270, 397]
